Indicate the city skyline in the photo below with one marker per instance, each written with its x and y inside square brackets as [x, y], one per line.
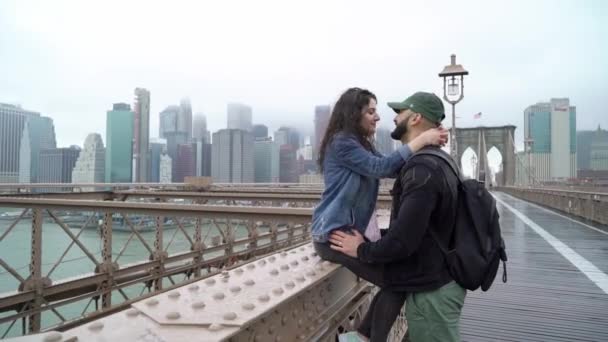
[283, 80]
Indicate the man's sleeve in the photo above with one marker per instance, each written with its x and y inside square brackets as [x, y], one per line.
[418, 200]
[352, 155]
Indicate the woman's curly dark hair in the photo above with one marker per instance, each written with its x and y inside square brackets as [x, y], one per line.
[346, 117]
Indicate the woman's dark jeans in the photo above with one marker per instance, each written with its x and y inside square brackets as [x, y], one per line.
[385, 306]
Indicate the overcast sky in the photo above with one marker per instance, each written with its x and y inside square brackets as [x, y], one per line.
[71, 60]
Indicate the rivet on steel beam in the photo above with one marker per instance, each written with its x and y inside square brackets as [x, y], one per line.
[271, 329]
[258, 338]
[95, 326]
[132, 312]
[319, 308]
[284, 320]
[230, 316]
[239, 271]
[53, 337]
[210, 281]
[295, 313]
[302, 249]
[302, 337]
[252, 266]
[174, 295]
[261, 262]
[263, 298]
[235, 289]
[290, 285]
[274, 272]
[311, 273]
[272, 258]
[279, 338]
[313, 254]
[326, 302]
[294, 263]
[173, 315]
[198, 305]
[284, 267]
[278, 291]
[215, 327]
[218, 296]
[193, 287]
[283, 254]
[300, 323]
[249, 282]
[305, 258]
[248, 306]
[300, 279]
[152, 302]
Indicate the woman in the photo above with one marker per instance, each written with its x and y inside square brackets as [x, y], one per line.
[351, 170]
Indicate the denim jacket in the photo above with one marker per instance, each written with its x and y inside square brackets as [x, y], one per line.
[351, 175]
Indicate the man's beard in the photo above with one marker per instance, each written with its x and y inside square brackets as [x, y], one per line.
[400, 130]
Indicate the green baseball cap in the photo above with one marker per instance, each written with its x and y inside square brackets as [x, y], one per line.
[428, 105]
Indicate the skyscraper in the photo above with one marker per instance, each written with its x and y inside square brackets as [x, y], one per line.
[119, 147]
[287, 136]
[203, 159]
[184, 120]
[583, 149]
[90, 166]
[141, 135]
[168, 121]
[322, 115]
[266, 168]
[288, 167]
[157, 148]
[239, 116]
[199, 128]
[15, 156]
[185, 165]
[599, 151]
[232, 156]
[42, 135]
[383, 141]
[551, 126]
[166, 168]
[57, 164]
[260, 131]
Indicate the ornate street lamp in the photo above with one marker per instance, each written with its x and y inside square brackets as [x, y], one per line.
[453, 92]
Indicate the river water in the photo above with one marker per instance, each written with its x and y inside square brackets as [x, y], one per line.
[15, 250]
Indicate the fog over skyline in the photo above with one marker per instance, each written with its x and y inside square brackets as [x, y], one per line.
[71, 60]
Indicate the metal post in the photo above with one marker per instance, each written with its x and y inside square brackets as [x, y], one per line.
[36, 271]
[453, 137]
[197, 247]
[158, 245]
[106, 255]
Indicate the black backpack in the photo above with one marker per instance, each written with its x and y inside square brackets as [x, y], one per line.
[476, 247]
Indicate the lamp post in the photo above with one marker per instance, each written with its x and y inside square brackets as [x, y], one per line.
[453, 92]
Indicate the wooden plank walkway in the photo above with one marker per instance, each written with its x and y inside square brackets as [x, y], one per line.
[546, 298]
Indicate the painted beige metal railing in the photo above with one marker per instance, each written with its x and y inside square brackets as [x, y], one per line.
[215, 236]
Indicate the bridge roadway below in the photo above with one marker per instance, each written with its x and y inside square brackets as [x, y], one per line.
[557, 287]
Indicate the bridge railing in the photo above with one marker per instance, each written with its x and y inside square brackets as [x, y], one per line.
[586, 204]
[83, 259]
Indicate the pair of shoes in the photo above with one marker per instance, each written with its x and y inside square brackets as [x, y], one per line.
[351, 336]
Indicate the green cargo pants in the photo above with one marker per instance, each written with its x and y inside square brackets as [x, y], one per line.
[435, 315]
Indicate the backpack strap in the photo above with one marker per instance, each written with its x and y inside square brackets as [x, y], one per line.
[444, 156]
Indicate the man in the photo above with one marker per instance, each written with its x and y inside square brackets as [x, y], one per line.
[424, 210]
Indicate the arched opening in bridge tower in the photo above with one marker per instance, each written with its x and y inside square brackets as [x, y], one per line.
[469, 162]
[495, 165]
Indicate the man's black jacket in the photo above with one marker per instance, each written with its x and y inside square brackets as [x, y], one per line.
[424, 197]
